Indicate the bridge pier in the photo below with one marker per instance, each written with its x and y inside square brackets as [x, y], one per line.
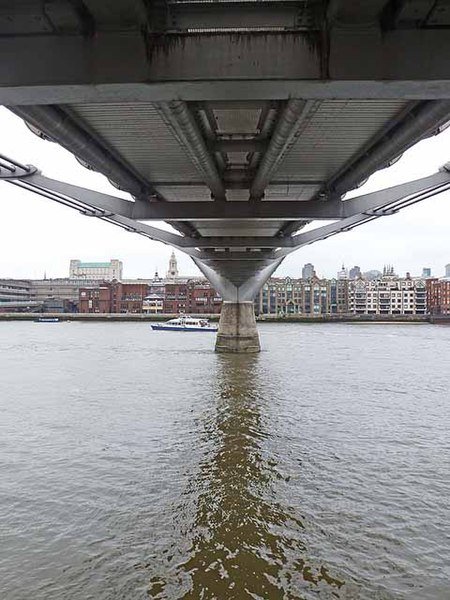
[237, 329]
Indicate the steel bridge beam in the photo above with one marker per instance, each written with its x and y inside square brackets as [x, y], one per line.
[185, 129]
[367, 206]
[240, 264]
[128, 66]
[285, 134]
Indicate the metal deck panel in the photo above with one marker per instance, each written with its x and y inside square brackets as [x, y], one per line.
[334, 134]
[300, 193]
[188, 193]
[255, 227]
[241, 120]
[137, 132]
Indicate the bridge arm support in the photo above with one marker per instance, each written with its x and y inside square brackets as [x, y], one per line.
[387, 202]
[93, 204]
[237, 325]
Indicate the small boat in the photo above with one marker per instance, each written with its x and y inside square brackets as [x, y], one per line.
[47, 320]
[185, 323]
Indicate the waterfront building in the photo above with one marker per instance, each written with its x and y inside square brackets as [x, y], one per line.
[195, 296]
[45, 291]
[389, 295]
[95, 300]
[202, 298]
[438, 296]
[104, 271]
[15, 290]
[153, 304]
[15, 295]
[313, 296]
[307, 271]
[113, 297]
[175, 298]
[339, 296]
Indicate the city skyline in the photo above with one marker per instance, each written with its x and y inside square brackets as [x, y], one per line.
[40, 236]
[305, 271]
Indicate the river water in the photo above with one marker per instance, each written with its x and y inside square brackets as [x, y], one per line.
[139, 464]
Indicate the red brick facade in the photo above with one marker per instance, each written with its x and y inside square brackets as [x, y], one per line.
[438, 297]
[175, 298]
[113, 297]
[202, 299]
[194, 297]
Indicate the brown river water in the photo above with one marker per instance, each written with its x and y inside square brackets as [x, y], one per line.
[139, 464]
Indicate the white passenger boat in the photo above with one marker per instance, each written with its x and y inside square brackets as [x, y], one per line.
[47, 320]
[185, 323]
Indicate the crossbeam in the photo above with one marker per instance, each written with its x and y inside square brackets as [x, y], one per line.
[125, 66]
[347, 214]
[236, 264]
[266, 210]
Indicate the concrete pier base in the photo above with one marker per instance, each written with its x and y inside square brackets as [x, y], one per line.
[237, 328]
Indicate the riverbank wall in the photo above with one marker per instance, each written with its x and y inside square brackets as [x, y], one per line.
[116, 317]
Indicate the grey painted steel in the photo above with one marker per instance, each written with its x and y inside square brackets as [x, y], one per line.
[186, 16]
[239, 273]
[118, 66]
[56, 124]
[311, 210]
[235, 90]
[285, 131]
[242, 292]
[336, 133]
[95, 204]
[114, 57]
[406, 128]
[185, 129]
[422, 121]
[88, 198]
[140, 134]
[349, 212]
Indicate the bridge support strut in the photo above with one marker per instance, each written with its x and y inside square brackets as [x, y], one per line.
[236, 266]
[237, 329]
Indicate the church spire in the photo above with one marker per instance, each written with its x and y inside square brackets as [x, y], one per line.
[172, 272]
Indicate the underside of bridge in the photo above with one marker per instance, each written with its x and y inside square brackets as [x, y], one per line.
[236, 121]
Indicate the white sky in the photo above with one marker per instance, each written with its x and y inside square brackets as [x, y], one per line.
[38, 235]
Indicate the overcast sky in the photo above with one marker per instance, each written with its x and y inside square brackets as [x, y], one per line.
[38, 236]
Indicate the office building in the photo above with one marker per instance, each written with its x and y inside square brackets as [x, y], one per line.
[104, 271]
[354, 272]
[307, 271]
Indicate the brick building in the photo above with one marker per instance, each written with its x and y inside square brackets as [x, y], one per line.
[438, 296]
[175, 298]
[113, 297]
[202, 298]
[192, 297]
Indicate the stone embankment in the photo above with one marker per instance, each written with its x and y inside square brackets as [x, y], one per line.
[262, 318]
